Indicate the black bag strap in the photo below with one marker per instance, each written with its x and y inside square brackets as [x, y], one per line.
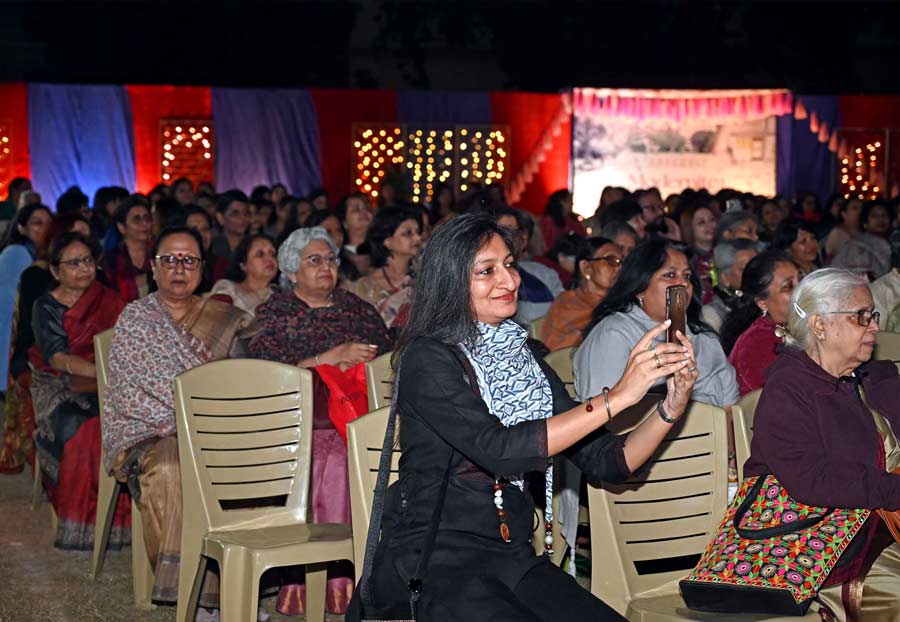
[769, 532]
[381, 484]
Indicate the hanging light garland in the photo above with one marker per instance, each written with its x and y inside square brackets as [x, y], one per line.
[860, 171]
[6, 155]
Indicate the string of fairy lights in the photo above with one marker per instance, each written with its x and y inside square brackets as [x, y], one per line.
[860, 172]
[187, 148]
[420, 158]
[5, 155]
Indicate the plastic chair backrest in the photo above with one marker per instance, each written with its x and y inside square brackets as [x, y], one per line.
[379, 381]
[742, 415]
[244, 442]
[887, 346]
[102, 341]
[561, 362]
[536, 328]
[365, 436]
[652, 529]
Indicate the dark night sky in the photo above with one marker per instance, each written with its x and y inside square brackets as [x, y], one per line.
[812, 47]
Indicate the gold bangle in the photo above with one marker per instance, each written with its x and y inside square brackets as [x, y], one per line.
[606, 399]
[317, 360]
[68, 366]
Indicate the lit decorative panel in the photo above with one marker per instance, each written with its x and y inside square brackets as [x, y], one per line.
[187, 149]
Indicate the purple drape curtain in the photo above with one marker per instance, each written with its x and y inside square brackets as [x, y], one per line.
[264, 137]
[80, 136]
[444, 107]
[803, 164]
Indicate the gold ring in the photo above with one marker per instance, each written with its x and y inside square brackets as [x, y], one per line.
[658, 364]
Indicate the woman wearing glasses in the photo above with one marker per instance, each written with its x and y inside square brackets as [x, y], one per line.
[814, 432]
[313, 322]
[127, 266]
[596, 267]
[64, 388]
[157, 338]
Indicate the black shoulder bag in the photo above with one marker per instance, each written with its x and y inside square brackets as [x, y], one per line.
[361, 608]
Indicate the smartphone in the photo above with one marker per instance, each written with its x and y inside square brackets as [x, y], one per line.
[676, 310]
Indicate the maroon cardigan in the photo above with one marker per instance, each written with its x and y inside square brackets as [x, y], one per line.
[817, 437]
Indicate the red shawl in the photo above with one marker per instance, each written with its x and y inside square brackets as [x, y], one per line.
[96, 311]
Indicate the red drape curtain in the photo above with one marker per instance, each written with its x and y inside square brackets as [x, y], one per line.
[337, 111]
[870, 111]
[14, 114]
[149, 104]
[529, 115]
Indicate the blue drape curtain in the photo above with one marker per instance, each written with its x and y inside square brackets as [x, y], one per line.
[444, 107]
[803, 164]
[80, 136]
[264, 137]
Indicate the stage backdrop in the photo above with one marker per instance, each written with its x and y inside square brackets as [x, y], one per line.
[674, 140]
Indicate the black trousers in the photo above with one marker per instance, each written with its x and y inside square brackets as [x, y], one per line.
[545, 594]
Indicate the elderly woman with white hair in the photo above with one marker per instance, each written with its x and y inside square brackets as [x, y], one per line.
[312, 322]
[817, 435]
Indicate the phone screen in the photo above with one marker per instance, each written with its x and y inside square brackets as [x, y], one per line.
[676, 310]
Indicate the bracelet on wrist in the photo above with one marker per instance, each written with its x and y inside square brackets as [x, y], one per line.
[318, 362]
[662, 413]
[608, 409]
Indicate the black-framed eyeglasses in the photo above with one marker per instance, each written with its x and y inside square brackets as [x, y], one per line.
[610, 259]
[864, 317]
[188, 262]
[75, 263]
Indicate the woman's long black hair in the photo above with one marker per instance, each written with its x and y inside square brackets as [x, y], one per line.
[235, 271]
[554, 208]
[755, 283]
[13, 235]
[442, 305]
[634, 277]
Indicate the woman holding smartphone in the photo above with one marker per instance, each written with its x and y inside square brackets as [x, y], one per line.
[637, 302]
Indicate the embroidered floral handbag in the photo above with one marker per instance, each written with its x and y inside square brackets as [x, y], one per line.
[770, 554]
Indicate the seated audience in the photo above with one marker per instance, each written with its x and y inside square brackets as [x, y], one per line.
[635, 304]
[561, 257]
[558, 219]
[313, 322]
[736, 224]
[658, 224]
[196, 218]
[394, 238]
[622, 234]
[127, 266]
[24, 242]
[107, 200]
[753, 330]
[731, 258]
[819, 439]
[848, 227]
[262, 215]
[886, 290]
[798, 239]
[64, 390]
[233, 214]
[18, 429]
[770, 216]
[249, 281]
[627, 211]
[869, 252]
[540, 284]
[356, 217]
[157, 338]
[183, 191]
[347, 271]
[285, 217]
[17, 188]
[698, 228]
[596, 267]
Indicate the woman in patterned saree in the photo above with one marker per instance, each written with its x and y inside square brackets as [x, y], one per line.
[64, 390]
[157, 338]
[313, 322]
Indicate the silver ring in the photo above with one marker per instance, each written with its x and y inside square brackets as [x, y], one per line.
[692, 369]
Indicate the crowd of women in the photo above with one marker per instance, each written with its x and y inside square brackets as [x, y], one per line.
[186, 276]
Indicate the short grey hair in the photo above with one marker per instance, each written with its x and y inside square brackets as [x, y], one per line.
[290, 250]
[730, 220]
[616, 228]
[820, 292]
[725, 253]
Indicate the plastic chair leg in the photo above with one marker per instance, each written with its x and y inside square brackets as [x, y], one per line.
[107, 498]
[316, 579]
[141, 571]
[239, 599]
[190, 580]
